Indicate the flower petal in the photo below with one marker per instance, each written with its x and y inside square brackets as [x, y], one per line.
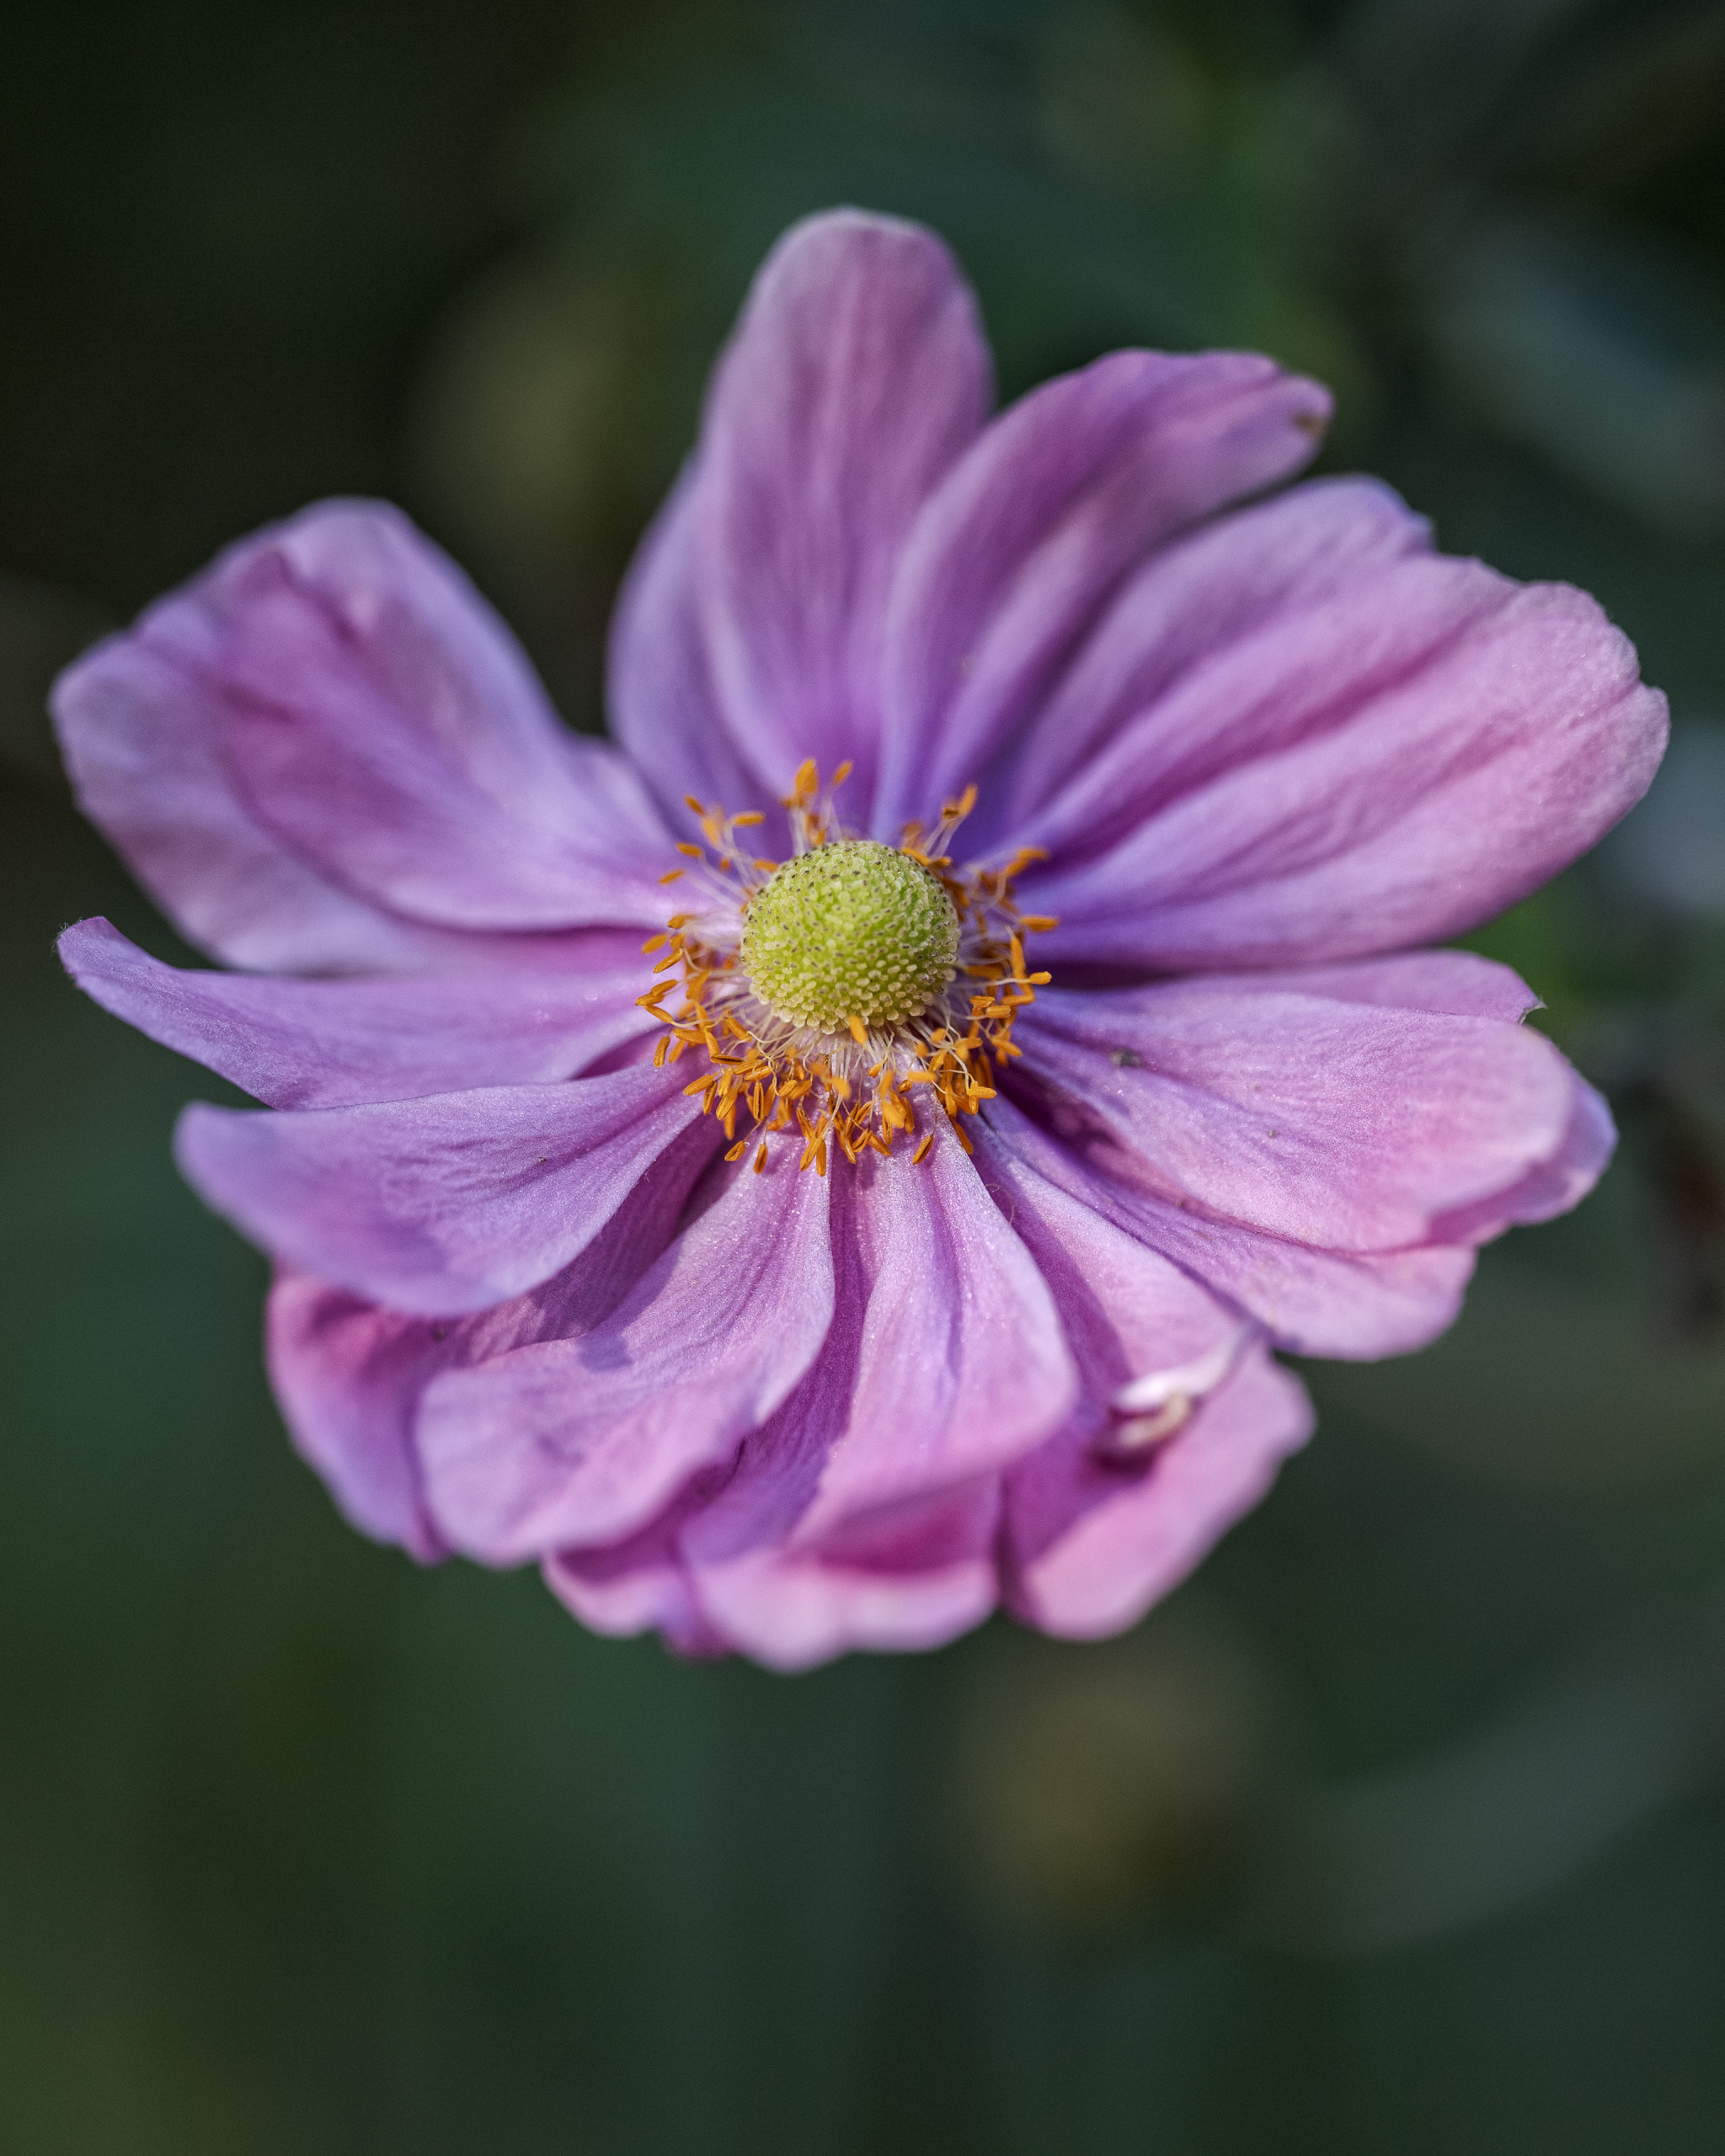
[857, 376]
[345, 1374]
[1311, 1302]
[1127, 1312]
[349, 1375]
[1386, 771]
[1028, 536]
[1352, 1126]
[1297, 673]
[1553, 1185]
[1094, 1534]
[641, 1584]
[141, 740]
[332, 1044]
[581, 1441]
[947, 1334]
[1458, 983]
[441, 1206]
[862, 1514]
[1194, 598]
[1090, 1546]
[665, 709]
[912, 1579]
[379, 720]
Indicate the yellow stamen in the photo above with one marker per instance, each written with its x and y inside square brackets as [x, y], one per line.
[787, 1076]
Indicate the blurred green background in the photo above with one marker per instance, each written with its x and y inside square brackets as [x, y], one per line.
[1401, 1830]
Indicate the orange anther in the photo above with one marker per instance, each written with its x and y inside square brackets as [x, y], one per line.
[922, 1147]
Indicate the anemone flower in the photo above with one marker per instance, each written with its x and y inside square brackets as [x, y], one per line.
[840, 1159]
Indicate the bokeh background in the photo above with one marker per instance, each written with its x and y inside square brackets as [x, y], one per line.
[1401, 1830]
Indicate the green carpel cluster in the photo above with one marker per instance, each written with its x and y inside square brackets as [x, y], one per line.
[851, 930]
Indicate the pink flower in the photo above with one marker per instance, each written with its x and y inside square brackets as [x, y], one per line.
[843, 1278]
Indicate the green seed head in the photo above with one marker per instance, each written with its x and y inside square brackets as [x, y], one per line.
[852, 930]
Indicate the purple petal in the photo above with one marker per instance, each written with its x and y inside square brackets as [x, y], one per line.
[1192, 600]
[896, 1584]
[1352, 1306]
[1127, 1314]
[349, 1376]
[1385, 772]
[377, 718]
[1550, 1187]
[1459, 984]
[141, 741]
[1311, 1302]
[345, 1375]
[1011, 560]
[857, 375]
[436, 1207]
[862, 1515]
[1293, 677]
[951, 1343]
[663, 707]
[578, 1442]
[324, 1043]
[1090, 1547]
[641, 1584]
[1351, 1127]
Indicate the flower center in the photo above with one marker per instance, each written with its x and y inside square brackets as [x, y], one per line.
[853, 929]
[855, 993]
